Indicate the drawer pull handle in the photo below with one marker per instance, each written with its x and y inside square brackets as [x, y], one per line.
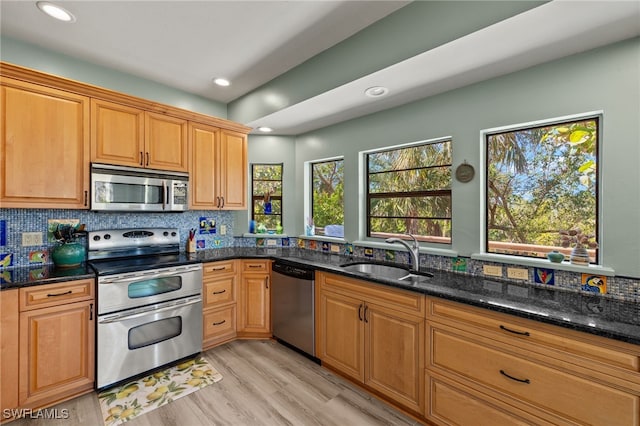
[219, 323]
[366, 309]
[59, 294]
[255, 266]
[521, 333]
[360, 312]
[219, 268]
[527, 381]
[219, 292]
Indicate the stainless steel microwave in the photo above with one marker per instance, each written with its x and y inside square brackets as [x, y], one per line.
[120, 188]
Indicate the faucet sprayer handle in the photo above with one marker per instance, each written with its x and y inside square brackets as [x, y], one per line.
[415, 240]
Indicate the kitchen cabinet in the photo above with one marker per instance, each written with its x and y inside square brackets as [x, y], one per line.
[128, 136]
[218, 168]
[373, 334]
[9, 333]
[57, 342]
[525, 371]
[219, 289]
[255, 299]
[44, 149]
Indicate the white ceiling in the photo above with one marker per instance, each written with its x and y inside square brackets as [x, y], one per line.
[184, 44]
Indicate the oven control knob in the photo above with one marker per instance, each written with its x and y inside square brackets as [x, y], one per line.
[107, 236]
[96, 238]
[173, 234]
[165, 233]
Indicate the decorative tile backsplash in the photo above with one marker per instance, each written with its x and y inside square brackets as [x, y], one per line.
[209, 227]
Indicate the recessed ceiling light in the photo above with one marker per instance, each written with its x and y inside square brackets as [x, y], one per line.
[376, 91]
[265, 129]
[221, 82]
[56, 12]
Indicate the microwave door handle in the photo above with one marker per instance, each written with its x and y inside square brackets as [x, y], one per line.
[165, 199]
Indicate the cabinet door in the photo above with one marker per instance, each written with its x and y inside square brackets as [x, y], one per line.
[117, 134]
[394, 354]
[255, 305]
[203, 145]
[340, 333]
[44, 151]
[56, 353]
[233, 170]
[166, 141]
[9, 349]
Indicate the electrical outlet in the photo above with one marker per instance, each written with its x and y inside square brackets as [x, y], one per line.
[31, 239]
[518, 273]
[223, 229]
[335, 248]
[271, 242]
[495, 271]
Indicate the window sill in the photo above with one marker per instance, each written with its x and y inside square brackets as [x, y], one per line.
[322, 238]
[267, 235]
[543, 263]
[387, 246]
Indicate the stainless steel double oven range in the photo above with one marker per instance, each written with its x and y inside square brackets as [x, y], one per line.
[149, 301]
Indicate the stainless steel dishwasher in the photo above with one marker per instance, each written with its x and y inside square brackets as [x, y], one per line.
[292, 306]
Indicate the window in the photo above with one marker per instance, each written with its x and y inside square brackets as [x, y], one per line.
[540, 181]
[266, 194]
[409, 191]
[327, 197]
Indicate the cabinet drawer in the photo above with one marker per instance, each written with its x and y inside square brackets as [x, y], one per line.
[256, 266]
[452, 403]
[537, 336]
[218, 268]
[219, 323]
[220, 291]
[403, 300]
[491, 365]
[56, 294]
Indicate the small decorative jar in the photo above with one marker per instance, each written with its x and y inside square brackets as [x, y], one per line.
[555, 256]
[68, 255]
[579, 256]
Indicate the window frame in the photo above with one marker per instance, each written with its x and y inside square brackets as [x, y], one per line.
[598, 117]
[273, 197]
[439, 192]
[311, 165]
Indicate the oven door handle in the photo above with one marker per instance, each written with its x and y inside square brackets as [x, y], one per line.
[150, 310]
[142, 277]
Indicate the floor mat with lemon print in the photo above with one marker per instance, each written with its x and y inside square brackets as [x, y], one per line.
[122, 403]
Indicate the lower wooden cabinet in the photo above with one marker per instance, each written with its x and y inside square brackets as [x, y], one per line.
[374, 335]
[219, 293]
[9, 337]
[255, 299]
[57, 343]
[517, 370]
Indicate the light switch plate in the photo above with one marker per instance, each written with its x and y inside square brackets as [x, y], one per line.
[31, 239]
[271, 242]
[223, 229]
[518, 273]
[335, 248]
[495, 271]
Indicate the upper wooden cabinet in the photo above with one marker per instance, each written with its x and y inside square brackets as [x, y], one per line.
[129, 136]
[44, 148]
[218, 170]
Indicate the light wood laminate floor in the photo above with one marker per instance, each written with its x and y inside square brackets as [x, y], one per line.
[264, 383]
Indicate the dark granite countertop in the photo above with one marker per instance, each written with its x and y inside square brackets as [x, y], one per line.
[581, 311]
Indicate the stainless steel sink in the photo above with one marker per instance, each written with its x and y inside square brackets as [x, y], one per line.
[387, 271]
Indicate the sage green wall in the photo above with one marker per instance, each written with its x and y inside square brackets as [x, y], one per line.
[605, 79]
[35, 57]
[273, 149]
[411, 30]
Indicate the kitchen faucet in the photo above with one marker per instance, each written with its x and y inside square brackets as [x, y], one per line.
[413, 249]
